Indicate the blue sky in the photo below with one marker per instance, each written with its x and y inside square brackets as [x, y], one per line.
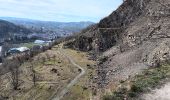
[58, 10]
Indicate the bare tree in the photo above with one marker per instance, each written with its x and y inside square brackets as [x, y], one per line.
[43, 60]
[14, 69]
[33, 74]
[48, 56]
[19, 59]
[54, 57]
[38, 58]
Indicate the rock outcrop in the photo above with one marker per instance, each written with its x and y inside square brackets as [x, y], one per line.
[134, 37]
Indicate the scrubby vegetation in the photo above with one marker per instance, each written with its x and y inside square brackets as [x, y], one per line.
[140, 83]
[40, 77]
[103, 59]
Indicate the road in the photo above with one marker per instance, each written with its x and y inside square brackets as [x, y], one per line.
[73, 82]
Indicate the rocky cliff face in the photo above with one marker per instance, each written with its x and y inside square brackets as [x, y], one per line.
[108, 31]
[134, 37]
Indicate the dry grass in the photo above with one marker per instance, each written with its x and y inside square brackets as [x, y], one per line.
[47, 82]
[81, 90]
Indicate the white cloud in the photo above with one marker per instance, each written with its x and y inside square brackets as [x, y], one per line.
[58, 10]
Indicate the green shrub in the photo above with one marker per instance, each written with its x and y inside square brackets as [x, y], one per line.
[136, 88]
[132, 94]
[117, 95]
[108, 97]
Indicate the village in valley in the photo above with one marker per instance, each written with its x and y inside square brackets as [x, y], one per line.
[38, 44]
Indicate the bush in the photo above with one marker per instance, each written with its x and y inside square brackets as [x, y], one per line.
[132, 94]
[117, 95]
[103, 59]
[136, 88]
[108, 97]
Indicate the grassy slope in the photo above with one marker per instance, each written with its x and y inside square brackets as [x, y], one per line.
[43, 89]
[132, 88]
[82, 90]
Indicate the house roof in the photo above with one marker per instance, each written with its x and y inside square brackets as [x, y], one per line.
[20, 49]
[39, 42]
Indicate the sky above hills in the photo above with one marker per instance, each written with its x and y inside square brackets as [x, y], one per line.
[58, 10]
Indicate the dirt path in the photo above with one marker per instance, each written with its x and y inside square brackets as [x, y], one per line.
[158, 94]
[73, 82]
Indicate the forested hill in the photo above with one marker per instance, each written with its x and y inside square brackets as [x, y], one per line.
[57, 28]
[8, 29]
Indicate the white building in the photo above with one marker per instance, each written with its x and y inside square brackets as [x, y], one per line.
[18, 50]
[23, 49]
[39, 42]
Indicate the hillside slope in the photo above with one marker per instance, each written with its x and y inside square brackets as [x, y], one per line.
[8, 30]
[134, 37]
[57, 28]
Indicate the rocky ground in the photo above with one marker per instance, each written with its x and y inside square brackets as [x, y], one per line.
[158, 94]
[134, 37]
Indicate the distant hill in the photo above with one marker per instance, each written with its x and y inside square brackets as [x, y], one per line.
[8, 29]
[55, 28]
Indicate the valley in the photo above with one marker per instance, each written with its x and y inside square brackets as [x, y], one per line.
[125, 56]
[48, 29]
[18, 32]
